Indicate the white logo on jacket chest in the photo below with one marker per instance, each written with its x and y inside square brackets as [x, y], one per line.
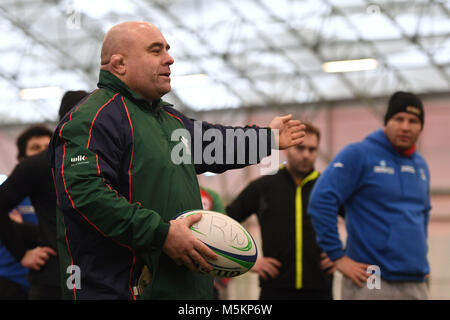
[409, 169]
[383, 168]
[80, 159]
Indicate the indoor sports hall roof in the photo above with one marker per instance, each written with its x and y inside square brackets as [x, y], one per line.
[251, 54]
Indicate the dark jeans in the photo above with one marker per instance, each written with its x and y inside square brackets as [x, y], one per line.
[9, 290]
[44, 292]
[292, 294]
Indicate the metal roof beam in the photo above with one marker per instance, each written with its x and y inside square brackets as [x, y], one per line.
[272, 47]
[376, 52]
[314, 49]
[177, 21]
[61, 55]
[38, 105]
[189, 57]
[414, 40]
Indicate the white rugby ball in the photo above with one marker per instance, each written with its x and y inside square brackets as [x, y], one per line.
[234, 246]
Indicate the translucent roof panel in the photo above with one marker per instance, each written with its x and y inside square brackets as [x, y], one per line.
[230, 54]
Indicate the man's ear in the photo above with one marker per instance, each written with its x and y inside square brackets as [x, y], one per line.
[117, 63]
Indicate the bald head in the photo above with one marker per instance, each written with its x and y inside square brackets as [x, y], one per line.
[137, 53]
[121, 38]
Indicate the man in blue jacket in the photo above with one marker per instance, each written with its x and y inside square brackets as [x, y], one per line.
[383, 182]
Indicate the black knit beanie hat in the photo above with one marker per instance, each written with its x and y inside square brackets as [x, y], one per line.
[404, 102]
[69, 100]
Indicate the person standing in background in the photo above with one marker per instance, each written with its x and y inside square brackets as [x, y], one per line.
[35, 247]
[293, 266]
[384, 184]
[14, 284]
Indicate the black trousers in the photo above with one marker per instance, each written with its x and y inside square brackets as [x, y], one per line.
[9, 290]
[293, 294]
[44, 292]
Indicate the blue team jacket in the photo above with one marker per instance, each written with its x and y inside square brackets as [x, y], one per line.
[10, 268]
[386, 198]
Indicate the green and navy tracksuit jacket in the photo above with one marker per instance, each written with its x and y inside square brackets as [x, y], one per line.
[117, 189]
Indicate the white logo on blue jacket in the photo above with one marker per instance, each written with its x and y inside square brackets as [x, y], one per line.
[383, 168]
[423, 175]
[410, 169]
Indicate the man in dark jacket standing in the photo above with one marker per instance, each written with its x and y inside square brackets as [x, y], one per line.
[293, 266]
[119, 184]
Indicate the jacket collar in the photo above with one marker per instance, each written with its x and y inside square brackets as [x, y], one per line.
[109, 81]
[312, 175]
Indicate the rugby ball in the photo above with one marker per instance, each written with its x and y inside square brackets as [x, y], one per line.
[234, 246]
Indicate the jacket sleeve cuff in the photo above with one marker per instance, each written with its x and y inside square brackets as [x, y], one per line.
[160, 234]
[336, 254]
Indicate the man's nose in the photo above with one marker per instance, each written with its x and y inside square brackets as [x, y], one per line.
[405, 125]
[305, 153]
[169, 60]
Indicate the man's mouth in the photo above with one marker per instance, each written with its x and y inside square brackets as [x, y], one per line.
[404, 138]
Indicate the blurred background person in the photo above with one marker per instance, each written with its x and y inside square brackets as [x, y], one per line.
[32, 177]
[14, 284]
[293, 265]
[384, 184]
